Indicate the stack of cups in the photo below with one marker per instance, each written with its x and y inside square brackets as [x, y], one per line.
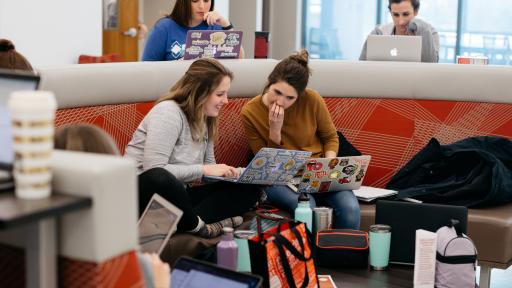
[32, 115]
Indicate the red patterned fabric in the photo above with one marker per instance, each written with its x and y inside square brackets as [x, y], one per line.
[119, 272]
[390, 130]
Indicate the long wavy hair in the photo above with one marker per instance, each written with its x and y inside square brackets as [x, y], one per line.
[191, 92]
[182, 11]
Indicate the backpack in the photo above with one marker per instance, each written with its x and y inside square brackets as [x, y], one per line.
[455, 259]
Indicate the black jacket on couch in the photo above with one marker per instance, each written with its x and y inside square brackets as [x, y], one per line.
[474, 172]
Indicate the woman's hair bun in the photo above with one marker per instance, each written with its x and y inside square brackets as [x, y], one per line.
[6, 45]
[302, 57]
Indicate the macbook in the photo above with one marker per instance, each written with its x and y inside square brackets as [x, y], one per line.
[405, 218]
[219, 44]
[270, 166]
[332, 174]
[192, 273]
[157, 224]
[393, 48]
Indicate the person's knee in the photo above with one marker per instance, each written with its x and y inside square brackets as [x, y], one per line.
[161, 179]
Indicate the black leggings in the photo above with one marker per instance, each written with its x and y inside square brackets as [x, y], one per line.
[212, 202]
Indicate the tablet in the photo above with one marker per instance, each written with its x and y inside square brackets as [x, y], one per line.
[157, 224]
[192, 273]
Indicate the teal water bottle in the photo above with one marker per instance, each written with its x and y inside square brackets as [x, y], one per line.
[303, 212]
[244, 258]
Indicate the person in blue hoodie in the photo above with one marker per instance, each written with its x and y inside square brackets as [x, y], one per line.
[166, 41]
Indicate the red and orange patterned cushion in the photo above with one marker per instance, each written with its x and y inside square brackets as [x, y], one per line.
[119, 272]
[390, 130]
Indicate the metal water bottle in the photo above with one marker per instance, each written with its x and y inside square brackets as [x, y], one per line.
[303, 212]
[227, 250]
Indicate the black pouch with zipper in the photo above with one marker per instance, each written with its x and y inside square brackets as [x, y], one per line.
[342, 248]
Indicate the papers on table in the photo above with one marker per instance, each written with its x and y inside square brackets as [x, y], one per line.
[368, 194]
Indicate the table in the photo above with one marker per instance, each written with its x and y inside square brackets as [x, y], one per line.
[38, 219]
[396, 276]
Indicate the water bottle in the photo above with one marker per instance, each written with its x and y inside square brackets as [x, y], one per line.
[303, 212]
[244, 257]
[227, 250]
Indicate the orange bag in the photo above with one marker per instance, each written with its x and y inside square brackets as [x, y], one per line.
[283, 256]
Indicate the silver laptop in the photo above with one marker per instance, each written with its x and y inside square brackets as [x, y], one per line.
[157, 224]
[270, 166]
[393, 48]
[332, 174]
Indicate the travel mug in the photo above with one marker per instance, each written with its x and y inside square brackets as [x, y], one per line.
[32, 118]
[322, 219]
[244, 258]
[380, 241]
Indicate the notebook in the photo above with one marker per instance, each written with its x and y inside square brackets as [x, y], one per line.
[332, 174]
[219, 44]
[270, 166]
[10, 81]
[157, 224]
[393, 48]
[192, 273]
[405, 218]
[369, 194]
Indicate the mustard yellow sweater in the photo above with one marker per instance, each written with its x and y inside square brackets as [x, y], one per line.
[307, 125]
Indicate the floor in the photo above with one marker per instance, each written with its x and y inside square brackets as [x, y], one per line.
[397, 276]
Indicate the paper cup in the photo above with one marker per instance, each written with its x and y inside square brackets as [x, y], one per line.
[32, 117]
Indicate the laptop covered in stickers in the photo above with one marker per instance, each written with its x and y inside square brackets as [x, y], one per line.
[332, 174]
[270, 166]
[219, 44]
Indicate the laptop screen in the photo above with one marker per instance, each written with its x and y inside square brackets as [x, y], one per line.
[191, 273]
[11, 81]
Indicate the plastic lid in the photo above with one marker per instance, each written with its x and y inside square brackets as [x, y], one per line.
[380, 228]
[227, 230]
[303, 197]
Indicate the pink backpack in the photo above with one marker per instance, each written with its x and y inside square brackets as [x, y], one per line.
[456, 258]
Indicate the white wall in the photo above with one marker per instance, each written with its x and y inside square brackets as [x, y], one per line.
[246, 16]
[52, 32]
[285, 27]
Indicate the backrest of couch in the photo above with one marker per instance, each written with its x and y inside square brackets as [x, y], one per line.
[387, 110]
[392, 131]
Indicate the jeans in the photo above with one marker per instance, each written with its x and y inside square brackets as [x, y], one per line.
[346, 212]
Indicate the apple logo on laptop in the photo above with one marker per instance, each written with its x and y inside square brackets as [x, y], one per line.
[393, 52]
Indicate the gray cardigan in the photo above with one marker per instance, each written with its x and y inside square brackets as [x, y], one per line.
[163, 140]
[429, 39]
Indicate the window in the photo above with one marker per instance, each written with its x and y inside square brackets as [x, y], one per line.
[337, 29]
[486, 28]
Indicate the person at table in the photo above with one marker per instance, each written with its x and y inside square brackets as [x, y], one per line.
[173, 147]
[166, 41]
[288, 115]
[404, 14]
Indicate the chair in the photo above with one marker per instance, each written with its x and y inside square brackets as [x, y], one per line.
[88, 59]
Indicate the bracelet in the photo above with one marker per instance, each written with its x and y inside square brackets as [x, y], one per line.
[229, 27]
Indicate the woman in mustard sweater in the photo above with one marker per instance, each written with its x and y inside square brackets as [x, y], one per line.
[288, 115]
